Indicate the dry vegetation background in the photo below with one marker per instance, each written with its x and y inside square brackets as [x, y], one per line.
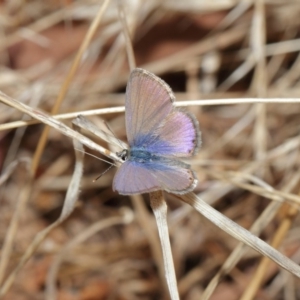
[248, 166]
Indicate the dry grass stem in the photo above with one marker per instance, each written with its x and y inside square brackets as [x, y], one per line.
[125, 217]
[159, 208]
[240, 233]
[69, 204]
[264, 219]
[118, 109]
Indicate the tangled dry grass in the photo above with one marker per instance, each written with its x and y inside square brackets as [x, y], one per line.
[238, 59]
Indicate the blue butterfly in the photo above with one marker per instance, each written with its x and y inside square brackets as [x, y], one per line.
[158, 134]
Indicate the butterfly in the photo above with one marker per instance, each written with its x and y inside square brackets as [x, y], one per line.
[158, 135]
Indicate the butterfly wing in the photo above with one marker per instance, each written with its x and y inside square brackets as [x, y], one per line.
[156, 128]
[148, 102]
[168, 174]
[178, 135]
[133, 178]
[152, 123]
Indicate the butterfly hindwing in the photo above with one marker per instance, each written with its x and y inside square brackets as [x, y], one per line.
[178, 135]
[134, 178]
[166, 174]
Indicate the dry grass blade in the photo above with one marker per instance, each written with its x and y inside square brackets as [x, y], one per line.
[61, 127]
[240, 233]
[125, 217]
[69, 204]
[11, 168]
[218, 41]
[273, 194]
[73, 115]
[111, 110]
[259, 275]
[147, 222]
[267, 215]
[9, 238]
[39, 25]
[280, 234]
[129, 50]
[42, 142]
[89, 126]
[258, 38]
[264, 219]
[159, 208]
[67, 82]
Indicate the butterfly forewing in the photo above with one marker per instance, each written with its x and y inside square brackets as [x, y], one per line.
[148, 102]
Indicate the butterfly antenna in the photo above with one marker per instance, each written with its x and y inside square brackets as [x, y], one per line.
[107, 126]
[104, 160]
[111, 164]
[94, 180]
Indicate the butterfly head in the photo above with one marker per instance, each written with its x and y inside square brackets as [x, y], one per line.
[123, 154]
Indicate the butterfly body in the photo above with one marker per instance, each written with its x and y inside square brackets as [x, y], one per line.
[142, 156]
[158, 135]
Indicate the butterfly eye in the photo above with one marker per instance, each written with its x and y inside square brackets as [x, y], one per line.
[123, 154]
